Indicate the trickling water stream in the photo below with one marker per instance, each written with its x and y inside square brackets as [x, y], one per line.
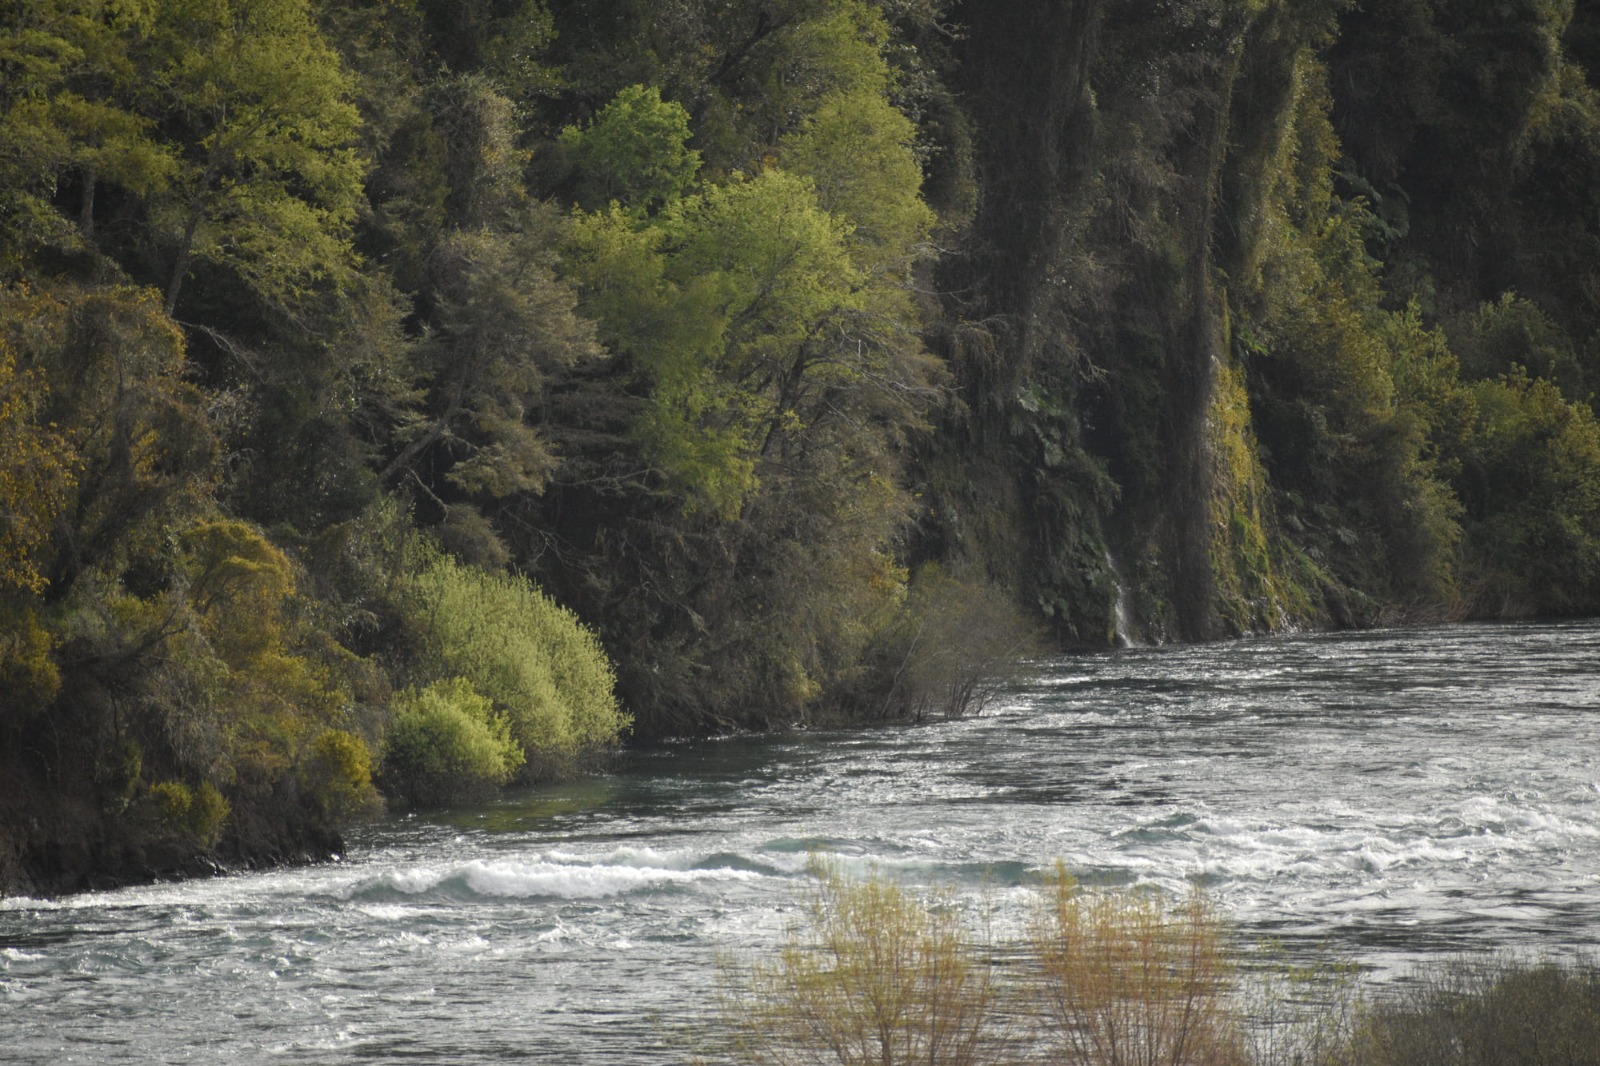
[1123, 631]
[1397, 794]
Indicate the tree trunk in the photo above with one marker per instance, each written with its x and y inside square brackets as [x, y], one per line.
[86, 204]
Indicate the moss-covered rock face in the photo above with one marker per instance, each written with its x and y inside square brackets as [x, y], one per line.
[1238, 322]
[1261, 583]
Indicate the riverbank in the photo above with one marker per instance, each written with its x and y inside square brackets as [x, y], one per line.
[56, 842]
[1191, 702]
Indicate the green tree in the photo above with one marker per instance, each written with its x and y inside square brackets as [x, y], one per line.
[114, 366]
[780, 271]
[635, 151]
[1511, 332]
[671, 331]
[503, 322]
[243, 685]
[1530, 483]
[494, 321]
[716, 310]
[503, 39]
[36, 479]
[858, 148]
[35, 476]
[769, 373]
[72, 81]
[269, 178]
[475, 130]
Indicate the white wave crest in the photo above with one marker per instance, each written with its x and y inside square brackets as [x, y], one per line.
[544, 878]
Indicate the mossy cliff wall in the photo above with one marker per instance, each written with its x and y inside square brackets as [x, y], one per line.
[1208, 352]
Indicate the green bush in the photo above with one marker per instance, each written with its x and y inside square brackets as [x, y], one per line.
[29, 676]
[337, 771]
[208, 809]
[540, 667]
[170, 800]
[1530, 481]
[1515, 332]
[196, 813]
[446, 743]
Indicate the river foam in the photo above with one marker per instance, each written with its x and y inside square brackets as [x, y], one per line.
[536, 879]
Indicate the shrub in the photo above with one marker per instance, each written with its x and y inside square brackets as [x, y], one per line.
[870, 976]
[208, 809]
[1530, 482]
[196, 813]
[29, 676]
[446, 743]
[337, 772]
[1130, 979]
[1496, 1012]
[542, 669]
[1299, 1014]
[170, 800]
[950, 650]
[1122, 978]
[35, 476]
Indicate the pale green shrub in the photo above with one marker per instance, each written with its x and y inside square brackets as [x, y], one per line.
[539, 665]
[445, 742]
[872, 975]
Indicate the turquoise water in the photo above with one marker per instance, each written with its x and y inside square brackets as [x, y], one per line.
[1393, 795]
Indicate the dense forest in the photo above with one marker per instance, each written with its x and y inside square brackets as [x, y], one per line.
[401, 398]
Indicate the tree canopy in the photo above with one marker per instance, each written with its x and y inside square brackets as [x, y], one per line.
[415, 396]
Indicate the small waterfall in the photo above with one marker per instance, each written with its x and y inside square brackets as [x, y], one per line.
[1122, 612]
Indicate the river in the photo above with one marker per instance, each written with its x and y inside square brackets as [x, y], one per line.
[1391, 796]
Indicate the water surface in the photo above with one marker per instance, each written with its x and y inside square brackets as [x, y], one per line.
[1394, 795]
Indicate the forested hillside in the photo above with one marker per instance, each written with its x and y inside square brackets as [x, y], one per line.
[401, 398]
